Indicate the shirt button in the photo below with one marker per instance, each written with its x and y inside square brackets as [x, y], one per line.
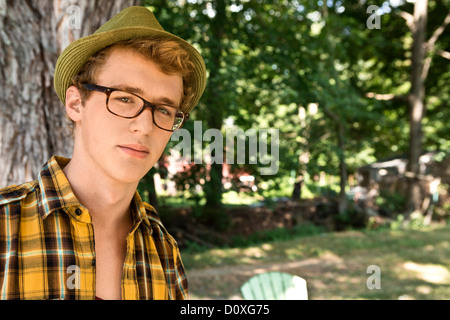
[78, 212]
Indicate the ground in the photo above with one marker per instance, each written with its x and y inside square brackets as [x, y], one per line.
[335, 263]
[413, 264]
[225, 282]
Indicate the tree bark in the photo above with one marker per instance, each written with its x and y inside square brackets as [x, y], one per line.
[416, 105]
[342, 201]
[33, 123]
[213, 187]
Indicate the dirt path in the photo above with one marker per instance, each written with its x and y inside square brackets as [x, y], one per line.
[413, 264]
[225, 282]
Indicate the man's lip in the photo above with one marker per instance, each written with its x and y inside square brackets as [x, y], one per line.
[136, 147]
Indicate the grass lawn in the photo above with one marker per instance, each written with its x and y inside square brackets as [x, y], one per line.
[413, 264]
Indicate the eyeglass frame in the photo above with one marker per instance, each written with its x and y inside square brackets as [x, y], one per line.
[147, 104]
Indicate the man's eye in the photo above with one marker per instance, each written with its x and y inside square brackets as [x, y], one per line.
[163, 110]
[125, 99]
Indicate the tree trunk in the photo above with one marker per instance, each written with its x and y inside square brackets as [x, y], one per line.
[297, 192]
[342, 201]
[213, 187]
[416, 105]
[343, 205]
[33, 124]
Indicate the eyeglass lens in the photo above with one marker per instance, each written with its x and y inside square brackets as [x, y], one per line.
[128, 105]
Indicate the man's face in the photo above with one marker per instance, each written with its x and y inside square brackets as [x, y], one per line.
[125, 149]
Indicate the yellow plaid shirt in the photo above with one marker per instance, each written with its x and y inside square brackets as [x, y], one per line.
[47, 245]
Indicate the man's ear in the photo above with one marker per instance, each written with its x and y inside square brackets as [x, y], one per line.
[73, 103]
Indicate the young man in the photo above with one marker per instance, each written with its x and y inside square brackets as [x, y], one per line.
[81, 230]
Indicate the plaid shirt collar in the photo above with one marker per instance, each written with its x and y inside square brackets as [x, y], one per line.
[56, 193]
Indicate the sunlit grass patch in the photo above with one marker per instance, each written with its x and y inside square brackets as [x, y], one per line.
[413, 264]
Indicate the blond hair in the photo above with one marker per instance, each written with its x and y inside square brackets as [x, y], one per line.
[167, 54]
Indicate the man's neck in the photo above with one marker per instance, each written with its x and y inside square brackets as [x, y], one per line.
[108, 201]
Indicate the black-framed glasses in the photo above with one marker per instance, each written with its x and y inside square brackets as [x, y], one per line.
[129, 105]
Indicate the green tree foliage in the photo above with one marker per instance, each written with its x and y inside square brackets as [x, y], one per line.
[336, 89]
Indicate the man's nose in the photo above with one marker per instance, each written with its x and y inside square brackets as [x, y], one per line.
[143, 122]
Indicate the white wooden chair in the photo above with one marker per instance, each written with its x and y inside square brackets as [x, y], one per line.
[275, 286]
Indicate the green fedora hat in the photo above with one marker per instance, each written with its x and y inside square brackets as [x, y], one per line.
[131, 23]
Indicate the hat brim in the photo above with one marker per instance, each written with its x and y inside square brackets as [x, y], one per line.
[75, 56]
